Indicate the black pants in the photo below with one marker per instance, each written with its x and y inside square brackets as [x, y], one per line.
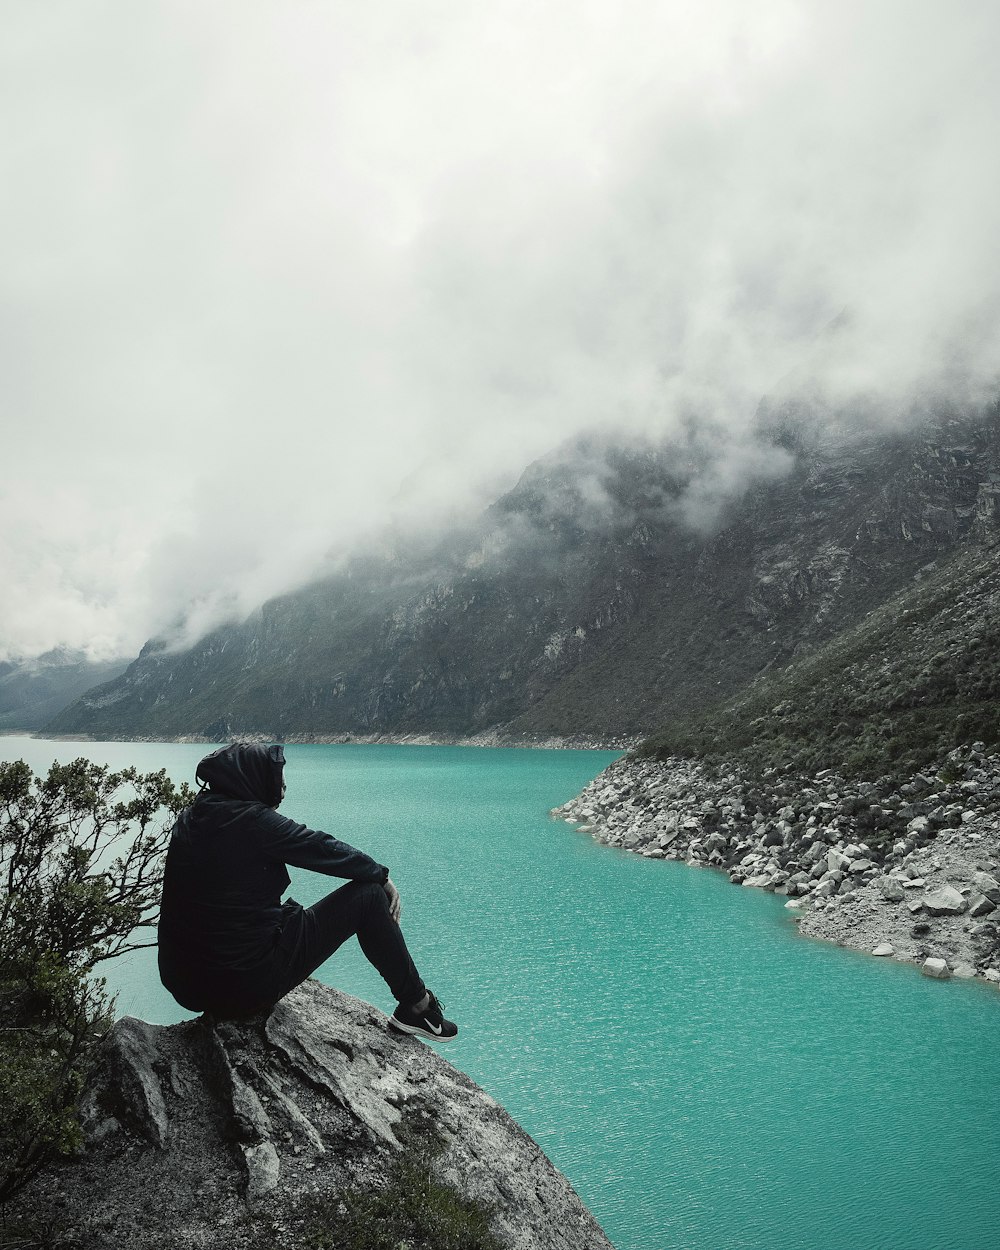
[309, 936]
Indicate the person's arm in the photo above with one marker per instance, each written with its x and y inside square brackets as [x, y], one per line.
[288, 842]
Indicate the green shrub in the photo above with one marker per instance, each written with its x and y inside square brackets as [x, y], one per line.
[80, 872]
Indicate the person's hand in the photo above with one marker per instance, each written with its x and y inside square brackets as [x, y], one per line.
[395, 906]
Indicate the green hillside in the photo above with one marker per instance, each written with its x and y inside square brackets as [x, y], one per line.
[914, 678]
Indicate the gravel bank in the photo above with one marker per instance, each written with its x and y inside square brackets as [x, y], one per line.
[906, 871]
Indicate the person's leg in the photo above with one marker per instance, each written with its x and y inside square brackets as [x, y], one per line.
[360, 908]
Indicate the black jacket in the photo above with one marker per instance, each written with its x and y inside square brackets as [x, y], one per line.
[221, 911]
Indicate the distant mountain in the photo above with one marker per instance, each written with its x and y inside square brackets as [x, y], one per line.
[583, 602]
[33, 691]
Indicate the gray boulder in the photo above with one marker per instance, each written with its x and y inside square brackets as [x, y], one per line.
[980, 905]
[225, 1136]
[891, 889]
[944, 901]
[937, 968]
[987, 885]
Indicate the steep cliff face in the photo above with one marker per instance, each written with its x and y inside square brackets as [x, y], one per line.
[612, 591]
[258, 1134]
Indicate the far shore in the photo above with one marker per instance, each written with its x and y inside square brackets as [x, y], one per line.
[489, 738]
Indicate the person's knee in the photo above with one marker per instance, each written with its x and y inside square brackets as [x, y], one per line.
[376, 895]
[369, 895]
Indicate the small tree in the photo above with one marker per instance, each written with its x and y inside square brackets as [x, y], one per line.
[81, 865]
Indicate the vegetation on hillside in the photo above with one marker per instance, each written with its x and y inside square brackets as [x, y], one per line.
[915, 678]
[81, 854]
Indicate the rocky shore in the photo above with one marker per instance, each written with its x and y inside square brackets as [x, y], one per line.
[907, 871]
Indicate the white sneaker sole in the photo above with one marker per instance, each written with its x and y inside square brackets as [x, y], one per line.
[399, 1027]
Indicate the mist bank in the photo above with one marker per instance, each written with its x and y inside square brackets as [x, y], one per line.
[333, 263]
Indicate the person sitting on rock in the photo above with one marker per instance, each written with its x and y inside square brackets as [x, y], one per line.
[227, 943]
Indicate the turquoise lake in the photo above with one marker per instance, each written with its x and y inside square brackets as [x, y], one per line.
[706, 1078]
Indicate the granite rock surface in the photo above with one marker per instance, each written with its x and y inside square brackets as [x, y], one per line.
[225, 1134]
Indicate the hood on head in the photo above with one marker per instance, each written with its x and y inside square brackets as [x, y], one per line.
[244, 770]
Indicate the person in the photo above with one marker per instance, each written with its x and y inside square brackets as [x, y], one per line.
[228, 945]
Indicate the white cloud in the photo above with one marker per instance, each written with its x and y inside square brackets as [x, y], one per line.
[270, 271]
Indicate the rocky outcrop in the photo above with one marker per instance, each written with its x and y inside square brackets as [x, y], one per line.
[907, 870]
[235, 1135]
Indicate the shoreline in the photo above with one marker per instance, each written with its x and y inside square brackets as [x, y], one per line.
[902, 871]
[488, 738]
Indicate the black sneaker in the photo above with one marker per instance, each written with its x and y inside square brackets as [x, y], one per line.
[429, 1023]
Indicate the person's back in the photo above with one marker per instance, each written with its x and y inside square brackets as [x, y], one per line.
[221, 905]
[227, 943]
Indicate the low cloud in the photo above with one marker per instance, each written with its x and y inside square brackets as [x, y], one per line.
[272, 277]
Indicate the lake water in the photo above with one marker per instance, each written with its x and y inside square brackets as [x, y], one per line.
[707, 1079]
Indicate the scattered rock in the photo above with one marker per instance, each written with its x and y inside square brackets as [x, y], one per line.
[884, 948]
[831, 844]
[935, 968]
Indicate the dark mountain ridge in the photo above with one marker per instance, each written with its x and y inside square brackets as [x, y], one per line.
[584, 602]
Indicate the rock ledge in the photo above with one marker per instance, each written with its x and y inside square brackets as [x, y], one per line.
[218, 1135]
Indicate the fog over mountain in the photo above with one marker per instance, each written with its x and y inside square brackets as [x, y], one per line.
[272, 276]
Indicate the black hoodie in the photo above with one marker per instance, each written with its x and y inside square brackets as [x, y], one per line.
[221, 912]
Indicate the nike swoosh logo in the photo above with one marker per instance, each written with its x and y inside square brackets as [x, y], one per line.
[434, 1028]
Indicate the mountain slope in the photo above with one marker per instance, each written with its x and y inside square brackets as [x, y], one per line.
[583, 602]
[33, 691]
[915, 678]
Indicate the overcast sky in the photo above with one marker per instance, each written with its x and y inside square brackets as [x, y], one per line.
[272, 271]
